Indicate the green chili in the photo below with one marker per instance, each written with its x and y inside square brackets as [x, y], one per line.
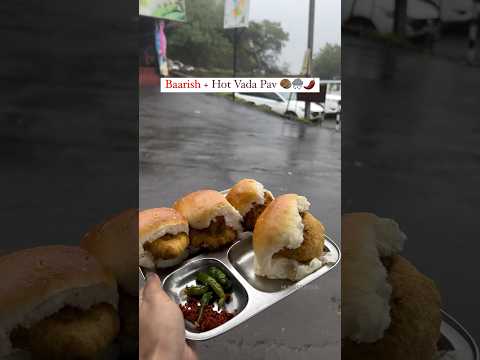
[220, 276]
[203, 302]
[214, 285]
[197, 290]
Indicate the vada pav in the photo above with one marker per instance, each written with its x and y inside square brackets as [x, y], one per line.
[114, 244]
[111, 243]
[163, 238]
[250, 198]
[213, 221]
[389, 309]
[56, 302]
[288, 241]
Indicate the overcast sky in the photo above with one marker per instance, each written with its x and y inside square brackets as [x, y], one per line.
[293, 15]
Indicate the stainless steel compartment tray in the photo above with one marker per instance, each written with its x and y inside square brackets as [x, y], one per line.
[455, 341]
[252, 294]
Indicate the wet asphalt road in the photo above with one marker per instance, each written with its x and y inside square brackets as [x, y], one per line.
[411, 151]
[194, 141]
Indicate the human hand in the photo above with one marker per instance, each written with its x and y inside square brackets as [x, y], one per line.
[162, 328]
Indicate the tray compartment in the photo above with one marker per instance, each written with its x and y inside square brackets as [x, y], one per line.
[174, 284]
[241, 256]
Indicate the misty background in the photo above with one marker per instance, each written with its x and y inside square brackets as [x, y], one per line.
[293, 17]
[274, 43]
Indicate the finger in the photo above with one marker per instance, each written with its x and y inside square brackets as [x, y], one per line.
[153, 289]
[140, 295]
[189, 354]
[191, 344]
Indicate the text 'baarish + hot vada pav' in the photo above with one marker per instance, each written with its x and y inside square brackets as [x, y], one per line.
[163, 238]
[288, 241]
[213, 221]
[389, 309]
[58, 303]
[250, 198]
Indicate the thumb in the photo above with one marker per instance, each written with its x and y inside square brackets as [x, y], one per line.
[153, 289]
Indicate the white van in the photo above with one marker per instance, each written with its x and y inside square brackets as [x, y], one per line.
[333, 98]
[285, 104]
[456, 11]
[378, 15]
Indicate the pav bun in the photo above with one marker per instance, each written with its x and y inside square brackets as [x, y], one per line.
[47, 279]
[279, 235]
[250, 198]
[213, 222]
[201, 207]
[389, 309]
[113, 243]
[163, 238]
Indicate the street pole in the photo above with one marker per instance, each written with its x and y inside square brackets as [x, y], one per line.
[311, 23]
[235, 43]
[473, 34]
[400, 17]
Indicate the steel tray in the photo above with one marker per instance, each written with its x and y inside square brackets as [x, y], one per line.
[455, 341]
[251, 294]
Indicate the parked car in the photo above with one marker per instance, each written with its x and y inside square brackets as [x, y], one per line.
[173, 65]
[455, 11]
[285, 104]
[378, 15]
[333, 98]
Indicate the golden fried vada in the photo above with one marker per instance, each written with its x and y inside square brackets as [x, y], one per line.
[250, 198]
[313, 241]
[163, 238]
[213, 221]
[288, 241]
[58, 303]
[389, 309]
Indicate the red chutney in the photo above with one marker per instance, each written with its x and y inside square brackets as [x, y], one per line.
[210, 318]
[190, 310]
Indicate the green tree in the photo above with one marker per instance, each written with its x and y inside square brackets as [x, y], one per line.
[203, 42]
[260, 45]
[200, 41]
[327, 64]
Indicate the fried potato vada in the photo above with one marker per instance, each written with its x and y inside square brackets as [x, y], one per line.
[313, 241]
[74, 334]
[415, 312]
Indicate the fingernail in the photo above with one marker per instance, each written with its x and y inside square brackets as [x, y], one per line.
[151, 275]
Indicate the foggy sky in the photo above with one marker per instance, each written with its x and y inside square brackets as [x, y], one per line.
[293, 15]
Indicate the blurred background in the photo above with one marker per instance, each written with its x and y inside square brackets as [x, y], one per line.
[411, 136]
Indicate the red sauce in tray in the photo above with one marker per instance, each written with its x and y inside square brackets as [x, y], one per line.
[210, 318]
[190, 310]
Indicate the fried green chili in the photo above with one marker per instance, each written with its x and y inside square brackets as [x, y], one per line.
[220, 276]
[214, 285]
[204, 302]
[197, 290]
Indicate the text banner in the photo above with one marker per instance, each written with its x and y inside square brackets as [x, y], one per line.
[212, 85]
